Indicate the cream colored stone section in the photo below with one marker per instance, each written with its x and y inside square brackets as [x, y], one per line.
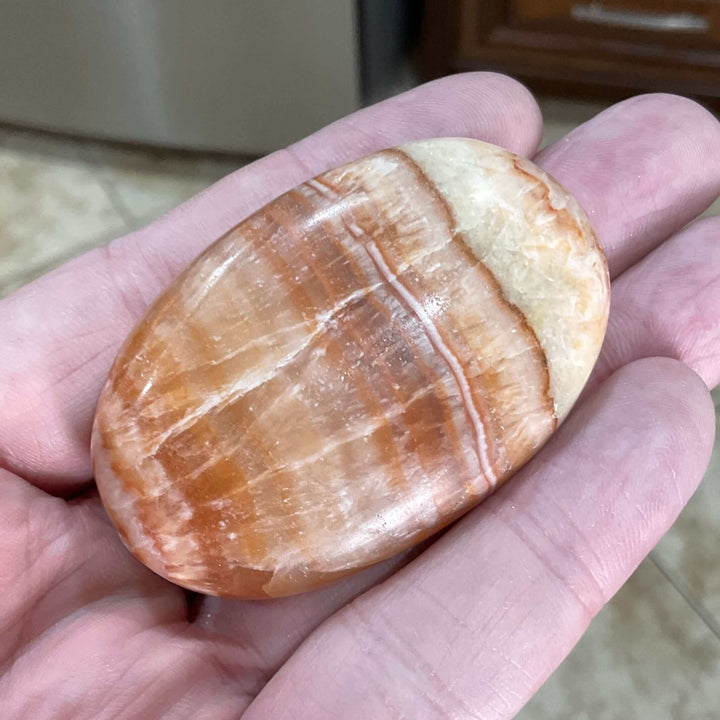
[537, 242]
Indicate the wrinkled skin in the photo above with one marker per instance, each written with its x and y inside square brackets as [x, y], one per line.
[471, 626]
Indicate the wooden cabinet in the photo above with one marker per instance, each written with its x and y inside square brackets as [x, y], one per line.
[607, 47]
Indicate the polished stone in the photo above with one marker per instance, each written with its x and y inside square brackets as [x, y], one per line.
[350, 369]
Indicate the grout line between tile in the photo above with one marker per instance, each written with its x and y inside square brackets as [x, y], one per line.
[109, 188]
[684, 590]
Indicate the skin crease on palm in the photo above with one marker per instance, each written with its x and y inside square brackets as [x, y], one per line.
[466, 627]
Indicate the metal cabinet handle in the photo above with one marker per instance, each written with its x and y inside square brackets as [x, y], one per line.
[600, 14]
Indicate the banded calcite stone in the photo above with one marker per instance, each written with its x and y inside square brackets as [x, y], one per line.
[350, 369]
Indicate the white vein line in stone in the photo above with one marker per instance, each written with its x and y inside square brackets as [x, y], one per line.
[417, 307]
[262, 340]
[333, 442]
[448, 355]
[325, 191]
[357, 249]
[416, 257]
[200, 291]
[228, 395]
[129, 426]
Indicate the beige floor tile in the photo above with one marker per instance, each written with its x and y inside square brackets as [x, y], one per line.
[713, 210]
[146, 183]
[646, 656]
[690, 552]
[51, 205]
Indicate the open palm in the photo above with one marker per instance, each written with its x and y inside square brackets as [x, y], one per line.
[472, 625]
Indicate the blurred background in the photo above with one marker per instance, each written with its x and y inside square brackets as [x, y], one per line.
[112, 113]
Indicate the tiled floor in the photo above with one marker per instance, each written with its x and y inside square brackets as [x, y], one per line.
[653, 652]
[59, 197]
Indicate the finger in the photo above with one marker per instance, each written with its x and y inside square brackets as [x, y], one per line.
[253, 639]
[669, 305]
[55, 557]
[642, 170]
[88, 632]
[475, 625]
[30, 523]
[61, 333]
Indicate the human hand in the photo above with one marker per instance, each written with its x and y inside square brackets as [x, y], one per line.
[474, 624]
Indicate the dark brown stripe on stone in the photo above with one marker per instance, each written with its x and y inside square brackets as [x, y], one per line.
[425, 448]
[461, 242]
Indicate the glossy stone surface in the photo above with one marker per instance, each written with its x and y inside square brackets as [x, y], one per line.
[350, 369]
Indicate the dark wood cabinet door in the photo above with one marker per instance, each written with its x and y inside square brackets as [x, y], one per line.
[594, 46]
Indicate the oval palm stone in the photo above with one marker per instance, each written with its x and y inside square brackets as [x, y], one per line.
[350, 369]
